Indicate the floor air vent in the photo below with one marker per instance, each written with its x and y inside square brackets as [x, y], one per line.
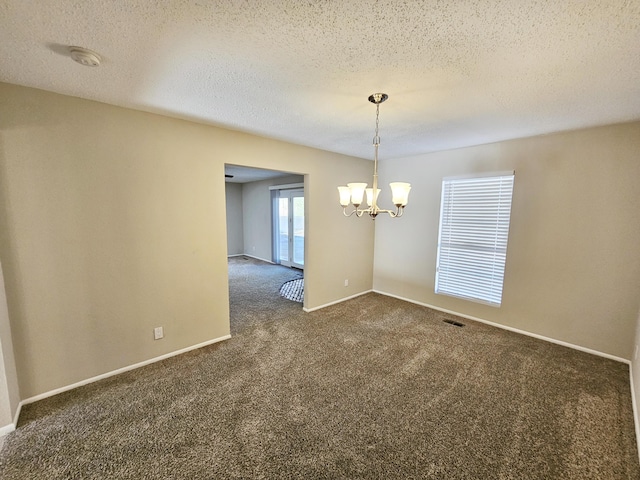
[453, 322]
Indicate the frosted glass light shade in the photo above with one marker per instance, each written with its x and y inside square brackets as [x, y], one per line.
[400, 193]
[369, 192]
[357, 192]
[345, 195]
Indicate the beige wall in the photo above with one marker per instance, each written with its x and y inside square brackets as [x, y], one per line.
[9, 390]
[573, 269]
[235, 237]
[256, 202]
[112, 224]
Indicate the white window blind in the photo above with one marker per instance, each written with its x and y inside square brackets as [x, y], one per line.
[472, 242]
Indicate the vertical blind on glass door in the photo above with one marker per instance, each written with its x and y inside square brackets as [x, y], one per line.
[472, 241]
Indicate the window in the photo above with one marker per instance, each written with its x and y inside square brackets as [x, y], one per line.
[289, 239]
[287, 219]
[472, 242]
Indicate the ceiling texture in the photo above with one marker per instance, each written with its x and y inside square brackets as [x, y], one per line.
[457, 72]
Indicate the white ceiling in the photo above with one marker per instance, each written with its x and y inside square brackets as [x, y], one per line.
[458, 73]
[248, 174]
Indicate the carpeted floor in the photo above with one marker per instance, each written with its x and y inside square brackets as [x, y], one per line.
[369, 388]
[254, 292]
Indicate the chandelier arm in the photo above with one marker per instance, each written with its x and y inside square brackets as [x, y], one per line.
[344, 212]
[363, 211]
[393, 214]
[358, 212]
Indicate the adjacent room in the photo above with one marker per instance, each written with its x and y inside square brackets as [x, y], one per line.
[453, 184]
[265, 242]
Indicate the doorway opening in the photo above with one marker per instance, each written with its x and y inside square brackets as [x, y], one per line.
[266, 237]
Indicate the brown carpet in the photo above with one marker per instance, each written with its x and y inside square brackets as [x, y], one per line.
[370, 388]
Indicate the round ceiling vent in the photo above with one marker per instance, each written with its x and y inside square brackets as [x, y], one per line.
[85, 56]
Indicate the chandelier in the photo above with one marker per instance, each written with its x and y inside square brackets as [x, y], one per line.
[354, 192]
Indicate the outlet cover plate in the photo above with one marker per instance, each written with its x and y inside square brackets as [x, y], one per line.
[158, 333]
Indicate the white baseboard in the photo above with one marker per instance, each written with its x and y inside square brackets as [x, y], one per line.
[337, 301]
[252, 256]
[12, 426]
[17, 414]
[7, 429]
[118, 371]
[511, 329]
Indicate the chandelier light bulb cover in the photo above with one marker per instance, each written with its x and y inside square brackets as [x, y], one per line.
[354, 193]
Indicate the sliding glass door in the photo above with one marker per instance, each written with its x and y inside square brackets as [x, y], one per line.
[290, 228]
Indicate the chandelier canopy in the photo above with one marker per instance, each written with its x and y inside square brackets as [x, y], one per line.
[354, 193]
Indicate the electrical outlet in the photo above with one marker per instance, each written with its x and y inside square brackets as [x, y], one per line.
[346, 282]
[158, 333]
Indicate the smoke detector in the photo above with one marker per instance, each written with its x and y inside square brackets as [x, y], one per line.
[84, 56]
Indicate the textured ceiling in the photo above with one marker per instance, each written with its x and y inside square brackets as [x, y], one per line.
[458, 73]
